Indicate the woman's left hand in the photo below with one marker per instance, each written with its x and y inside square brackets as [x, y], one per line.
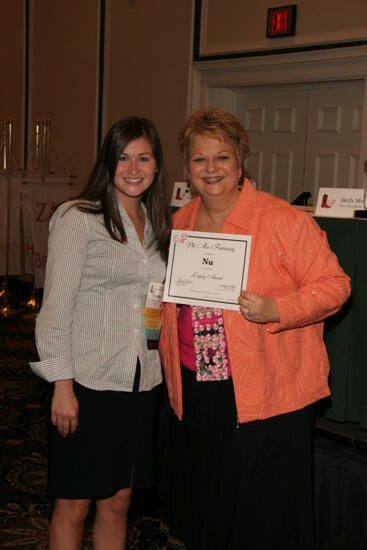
[259, 309]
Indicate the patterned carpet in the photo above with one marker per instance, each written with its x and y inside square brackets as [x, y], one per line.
[25, 509]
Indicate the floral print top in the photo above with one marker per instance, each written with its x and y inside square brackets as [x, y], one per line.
[205, 348]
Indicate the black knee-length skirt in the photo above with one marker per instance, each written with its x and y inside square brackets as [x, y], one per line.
[229, 487]
[113, 447]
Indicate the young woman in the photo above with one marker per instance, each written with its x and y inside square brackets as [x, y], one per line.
[104, 249]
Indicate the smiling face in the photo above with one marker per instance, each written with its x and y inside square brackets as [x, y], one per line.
[135, 171]
[213, 167]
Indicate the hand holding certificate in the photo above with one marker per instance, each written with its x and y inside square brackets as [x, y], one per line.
[208, 269]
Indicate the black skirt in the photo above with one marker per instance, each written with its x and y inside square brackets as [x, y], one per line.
[247, 487]
[113, 447]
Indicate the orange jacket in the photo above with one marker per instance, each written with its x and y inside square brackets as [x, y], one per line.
[276, 367]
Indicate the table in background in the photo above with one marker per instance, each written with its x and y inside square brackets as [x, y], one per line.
[346, 332]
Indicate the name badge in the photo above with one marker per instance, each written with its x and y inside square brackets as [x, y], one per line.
[152, 314]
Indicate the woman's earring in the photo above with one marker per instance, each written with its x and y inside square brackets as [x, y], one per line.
[240, 184]
[157, 170]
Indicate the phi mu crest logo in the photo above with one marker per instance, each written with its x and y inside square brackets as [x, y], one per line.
[180, 238]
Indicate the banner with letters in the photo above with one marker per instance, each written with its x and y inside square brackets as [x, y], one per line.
[40, 198]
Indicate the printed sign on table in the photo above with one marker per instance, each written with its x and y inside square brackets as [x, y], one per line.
[181, 194]
[338, 203]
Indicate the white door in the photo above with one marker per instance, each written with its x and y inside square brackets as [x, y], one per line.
[332, 155]
[302, 137]
[276, 122]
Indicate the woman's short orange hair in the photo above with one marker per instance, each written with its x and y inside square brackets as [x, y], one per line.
[214, 122]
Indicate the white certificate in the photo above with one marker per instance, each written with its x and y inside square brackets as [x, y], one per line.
[207, 269]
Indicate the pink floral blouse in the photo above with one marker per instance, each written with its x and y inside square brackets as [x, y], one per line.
[202, 343]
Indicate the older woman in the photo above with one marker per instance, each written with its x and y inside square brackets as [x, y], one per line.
[240, 456]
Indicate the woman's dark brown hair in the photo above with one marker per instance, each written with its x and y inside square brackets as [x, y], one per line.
[99, 197]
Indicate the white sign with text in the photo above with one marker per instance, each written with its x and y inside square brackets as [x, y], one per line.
[180, 194]
[339, 203]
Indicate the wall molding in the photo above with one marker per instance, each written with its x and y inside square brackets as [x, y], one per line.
[203, 50]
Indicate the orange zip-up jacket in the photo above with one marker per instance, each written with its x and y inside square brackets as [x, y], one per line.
[276, 367]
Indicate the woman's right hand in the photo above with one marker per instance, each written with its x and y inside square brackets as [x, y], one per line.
[64, 407]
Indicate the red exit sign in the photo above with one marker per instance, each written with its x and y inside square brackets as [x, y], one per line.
[281, 21]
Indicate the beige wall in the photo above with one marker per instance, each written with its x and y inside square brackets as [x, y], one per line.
[148, 51]
[147, 56]
[12, 38]
[240, 25]
[63, 68]
[146, 65]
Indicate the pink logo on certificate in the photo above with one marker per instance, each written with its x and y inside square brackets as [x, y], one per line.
[180, 238]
